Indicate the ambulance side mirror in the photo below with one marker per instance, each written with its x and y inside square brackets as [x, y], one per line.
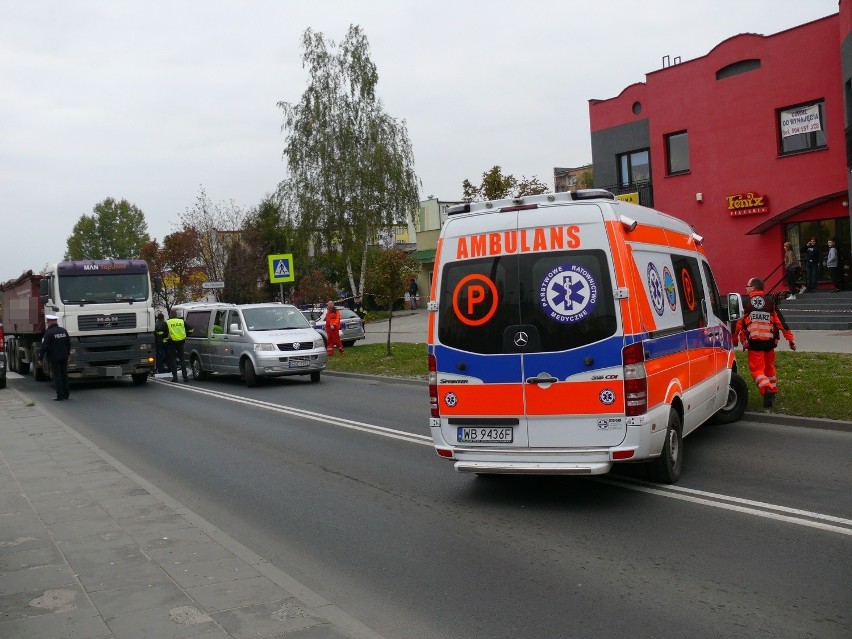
[735, 307]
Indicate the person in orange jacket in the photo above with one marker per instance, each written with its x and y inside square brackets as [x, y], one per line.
[758, 331]
[332, 328]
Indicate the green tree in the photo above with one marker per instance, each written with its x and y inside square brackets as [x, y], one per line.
[114, 231]
[266, 231]
[496, 186]
[350, 164]
[587, 180]
[388, 278]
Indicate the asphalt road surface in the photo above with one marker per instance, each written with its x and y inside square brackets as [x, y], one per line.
[337, 484]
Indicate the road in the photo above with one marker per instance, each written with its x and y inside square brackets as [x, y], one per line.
[337, 484]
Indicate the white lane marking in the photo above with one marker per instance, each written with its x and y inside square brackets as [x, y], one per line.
[750, 507]
[414, 438]
[760, 509]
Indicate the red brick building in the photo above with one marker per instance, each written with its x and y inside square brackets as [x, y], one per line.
[747, 143]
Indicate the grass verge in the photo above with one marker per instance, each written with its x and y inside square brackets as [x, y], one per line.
[809, 384]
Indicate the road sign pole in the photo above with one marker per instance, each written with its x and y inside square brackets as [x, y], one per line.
[281, 287]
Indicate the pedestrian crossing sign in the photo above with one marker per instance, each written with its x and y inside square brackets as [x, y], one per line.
[281, 268]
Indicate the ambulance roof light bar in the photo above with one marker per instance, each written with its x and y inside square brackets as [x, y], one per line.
[531, 201]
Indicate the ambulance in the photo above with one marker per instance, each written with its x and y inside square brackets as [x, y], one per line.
[569, 332]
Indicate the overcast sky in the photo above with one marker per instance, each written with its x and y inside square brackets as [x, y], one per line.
[149, 100]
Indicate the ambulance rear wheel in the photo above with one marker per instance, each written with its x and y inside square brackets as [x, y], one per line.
[665, 469]
[735, 405]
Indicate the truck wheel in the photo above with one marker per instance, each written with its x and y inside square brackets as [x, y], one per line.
[735, 405]
[2, 383]
[251, 376]
[38, 372]
[12, 355]
[197, 372]
[139, 378]
[665, 469]
[315, 377]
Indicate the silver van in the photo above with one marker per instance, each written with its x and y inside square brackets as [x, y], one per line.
[251, 340]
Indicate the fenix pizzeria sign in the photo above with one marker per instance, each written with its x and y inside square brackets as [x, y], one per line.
[747, 204]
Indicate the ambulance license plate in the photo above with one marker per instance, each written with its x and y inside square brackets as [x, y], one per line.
[484, 435]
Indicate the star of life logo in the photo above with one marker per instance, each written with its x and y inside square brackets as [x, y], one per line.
[758, 302]
[655, 288]
[568, 293]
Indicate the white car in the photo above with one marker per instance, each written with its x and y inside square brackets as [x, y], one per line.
[351, 326]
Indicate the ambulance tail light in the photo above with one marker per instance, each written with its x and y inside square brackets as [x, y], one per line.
[433, 386]
[635, 380]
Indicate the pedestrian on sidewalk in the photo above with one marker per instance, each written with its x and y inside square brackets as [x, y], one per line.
[832, 263]
[332, 328]
[56, 349]
[758, 331]
[412, 293]
[175, 340]
[791, 268]
[812, 264]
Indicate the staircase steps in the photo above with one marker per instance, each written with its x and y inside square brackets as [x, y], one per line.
[821, 310]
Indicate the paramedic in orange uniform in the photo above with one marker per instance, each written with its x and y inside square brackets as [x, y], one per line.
[758, 331]
[332, 328]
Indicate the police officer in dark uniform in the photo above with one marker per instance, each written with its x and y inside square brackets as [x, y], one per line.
[56, 349]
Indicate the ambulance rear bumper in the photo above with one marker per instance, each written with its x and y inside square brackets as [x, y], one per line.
[528, 468]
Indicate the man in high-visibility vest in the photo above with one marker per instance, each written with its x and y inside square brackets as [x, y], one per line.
[174, 341]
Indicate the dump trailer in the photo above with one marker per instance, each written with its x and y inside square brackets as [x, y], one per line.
[105, 305]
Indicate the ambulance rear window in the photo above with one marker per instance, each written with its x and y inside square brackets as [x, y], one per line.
[561, 299]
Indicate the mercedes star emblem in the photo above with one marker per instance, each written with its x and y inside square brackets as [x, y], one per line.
[521, 339]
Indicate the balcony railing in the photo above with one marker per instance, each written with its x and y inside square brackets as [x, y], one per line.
[644, 189]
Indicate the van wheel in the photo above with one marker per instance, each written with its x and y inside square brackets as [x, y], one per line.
[315, 377]
[665, 469]
[197, 372]
[349, 343]
[251, 376]
[735, 405]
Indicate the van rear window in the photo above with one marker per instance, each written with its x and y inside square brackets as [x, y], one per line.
[198, 321]
[562, 300]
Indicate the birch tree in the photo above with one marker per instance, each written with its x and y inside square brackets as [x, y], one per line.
[350, 164]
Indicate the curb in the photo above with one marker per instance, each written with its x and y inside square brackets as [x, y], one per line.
[386, 379]
[798, 421]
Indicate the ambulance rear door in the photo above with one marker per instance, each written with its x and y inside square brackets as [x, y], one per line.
[479, 379]
[569, 321]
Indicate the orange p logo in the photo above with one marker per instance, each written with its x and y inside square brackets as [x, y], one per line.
[475, 300]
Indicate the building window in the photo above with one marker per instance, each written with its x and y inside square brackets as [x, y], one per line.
[802, 127]
[742, 66]
[634, 167]
[677, 153]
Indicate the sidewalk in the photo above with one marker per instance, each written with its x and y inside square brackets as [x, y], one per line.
[90, 549]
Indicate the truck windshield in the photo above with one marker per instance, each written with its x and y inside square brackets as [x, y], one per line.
[274, 318]
[97, 288]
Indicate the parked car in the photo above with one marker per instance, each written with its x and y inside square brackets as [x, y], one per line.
[351, 326]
